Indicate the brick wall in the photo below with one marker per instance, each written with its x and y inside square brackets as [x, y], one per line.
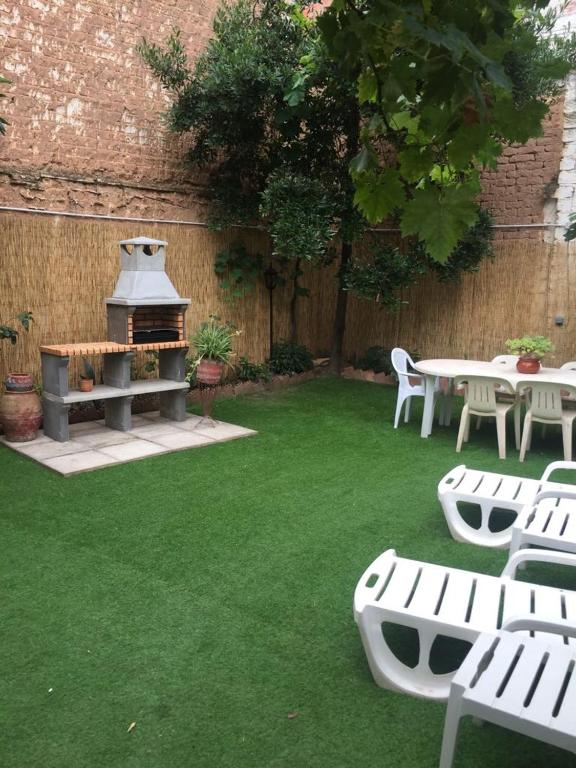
[85, 129]
[521, 190]
[85, 113]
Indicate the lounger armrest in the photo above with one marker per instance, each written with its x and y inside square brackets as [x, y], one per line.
[377, 574]
[536, 556]
[557, 465]
[532, 624]
[451, 478]
[560, 494]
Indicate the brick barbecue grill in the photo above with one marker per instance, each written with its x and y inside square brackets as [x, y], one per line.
[145, 306]
[146, 313]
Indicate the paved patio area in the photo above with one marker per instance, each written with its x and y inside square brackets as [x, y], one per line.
[93, 445]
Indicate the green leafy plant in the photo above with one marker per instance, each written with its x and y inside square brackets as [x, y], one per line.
[387, 270]
[249, 371]
[288, 358]
[376, 359]
[9, 332]
[530, 346]
[88, 370]
[238, 270]
[151, 363]
[213, 340]
[570, 233]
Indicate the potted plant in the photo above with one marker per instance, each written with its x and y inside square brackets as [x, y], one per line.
[213, 343]
[88, 377]
[530, 350]
[20, 409]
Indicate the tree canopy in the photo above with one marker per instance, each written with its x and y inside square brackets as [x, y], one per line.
[316, 127]
[443, 86]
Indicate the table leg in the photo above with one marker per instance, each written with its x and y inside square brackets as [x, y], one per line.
[428, 415]
[448, 402]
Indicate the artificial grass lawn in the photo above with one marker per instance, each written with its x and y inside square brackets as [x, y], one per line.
[207, 595]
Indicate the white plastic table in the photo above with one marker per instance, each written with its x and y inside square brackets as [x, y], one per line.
[449, 369]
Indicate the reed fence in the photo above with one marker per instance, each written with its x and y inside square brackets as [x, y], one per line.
[63, 269]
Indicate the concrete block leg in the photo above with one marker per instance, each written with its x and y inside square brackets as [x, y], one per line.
[172, 364]
[117, 369]
[55, 420]
[173, 405]
[118, 413]
[55, 374]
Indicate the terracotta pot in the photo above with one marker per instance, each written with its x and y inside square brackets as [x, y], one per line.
[209, 372]
[528, 365]
[19, 382]
[21, 416]
[86, 385]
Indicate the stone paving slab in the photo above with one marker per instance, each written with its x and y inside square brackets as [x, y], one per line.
[93, 445]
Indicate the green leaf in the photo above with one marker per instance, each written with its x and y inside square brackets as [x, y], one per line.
[440, 218]
[405, 120]
[469, 139]
[495, 73]
[365, 160]
[367, 86]
[378, 194]
[518, 124]
[415, 163]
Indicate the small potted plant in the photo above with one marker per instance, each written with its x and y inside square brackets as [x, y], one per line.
[213, 343]
[88, 376]
[530, 350]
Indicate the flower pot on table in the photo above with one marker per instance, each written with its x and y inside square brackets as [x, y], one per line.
[528, 365]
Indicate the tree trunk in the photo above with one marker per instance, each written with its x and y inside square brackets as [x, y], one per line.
[294, 303]
[340, 314]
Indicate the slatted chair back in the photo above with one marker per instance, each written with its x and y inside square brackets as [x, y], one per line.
[480, 392]
[546, 399]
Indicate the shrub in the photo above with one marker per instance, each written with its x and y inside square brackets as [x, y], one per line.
[248, 371]
[290, 358]
[376, 359]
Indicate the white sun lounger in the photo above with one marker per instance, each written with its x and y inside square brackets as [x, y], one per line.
[548, 523]
[437, 601]
[526, 685]
[492, 492]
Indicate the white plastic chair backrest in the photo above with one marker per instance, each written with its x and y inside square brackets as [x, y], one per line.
[571, 366]
[546, 398]
[505, 360]
[480, 392]
[401, 360]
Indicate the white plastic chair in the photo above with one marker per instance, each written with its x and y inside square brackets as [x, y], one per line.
[410, 383]
[440, 602]
[505, 360]
[480, 400]
[495, 494]
[545, 406]
[570, 366]
[524, 684]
